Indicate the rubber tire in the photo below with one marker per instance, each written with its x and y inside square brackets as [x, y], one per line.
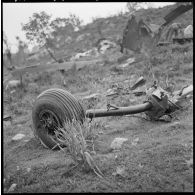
[64, 105]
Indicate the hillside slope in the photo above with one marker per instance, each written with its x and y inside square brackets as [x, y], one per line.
[157, 157]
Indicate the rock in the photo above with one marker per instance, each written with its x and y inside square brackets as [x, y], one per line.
[13, 91]
[135, 141]
[188, 31]
[13, 84]
[18, 137]
[117, 143]
[12, 187]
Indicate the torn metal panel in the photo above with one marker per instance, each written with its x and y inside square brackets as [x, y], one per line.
[131, 36]
[177, 12]
[141, 37]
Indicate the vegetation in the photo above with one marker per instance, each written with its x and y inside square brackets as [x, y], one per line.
[160, 161]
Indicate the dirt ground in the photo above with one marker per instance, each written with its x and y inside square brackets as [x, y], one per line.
[160, 161]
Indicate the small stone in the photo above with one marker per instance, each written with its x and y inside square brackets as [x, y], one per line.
[18, 137]
[12, 187]
[117, 143]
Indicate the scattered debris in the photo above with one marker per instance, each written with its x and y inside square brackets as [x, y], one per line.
[135, 141]
[140, 82]
[18, 137]
[12, 187]
[128, 62]
[117, 143]
[139, 93]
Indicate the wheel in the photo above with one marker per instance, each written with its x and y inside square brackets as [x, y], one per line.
[52, 108]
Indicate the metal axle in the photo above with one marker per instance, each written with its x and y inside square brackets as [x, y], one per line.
[120, 111]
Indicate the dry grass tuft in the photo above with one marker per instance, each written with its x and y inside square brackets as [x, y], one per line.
[78, 138]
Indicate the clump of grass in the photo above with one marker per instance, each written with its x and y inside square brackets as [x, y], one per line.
[78, 137]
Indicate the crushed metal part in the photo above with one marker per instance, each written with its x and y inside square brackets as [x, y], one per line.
[141, 37]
